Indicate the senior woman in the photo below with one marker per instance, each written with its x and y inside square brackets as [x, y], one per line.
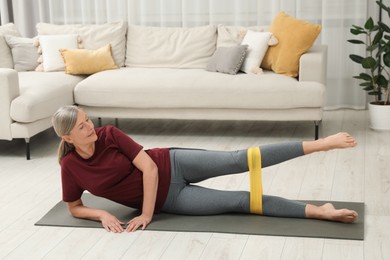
[108, 163]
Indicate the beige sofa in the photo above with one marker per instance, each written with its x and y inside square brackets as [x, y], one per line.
[159, 78]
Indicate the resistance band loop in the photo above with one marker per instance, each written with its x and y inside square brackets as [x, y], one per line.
[256, 186]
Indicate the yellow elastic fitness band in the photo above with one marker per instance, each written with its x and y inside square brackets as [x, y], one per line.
[256, 186]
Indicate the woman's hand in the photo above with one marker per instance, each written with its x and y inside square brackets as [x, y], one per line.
[137, 222]
[111, 223]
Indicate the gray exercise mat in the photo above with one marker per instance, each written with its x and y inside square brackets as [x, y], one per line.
[225, 223]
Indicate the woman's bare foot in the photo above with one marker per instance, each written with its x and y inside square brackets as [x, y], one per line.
[339, 140]
[329, 212]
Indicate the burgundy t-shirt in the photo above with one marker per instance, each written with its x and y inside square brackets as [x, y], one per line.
[110, 174]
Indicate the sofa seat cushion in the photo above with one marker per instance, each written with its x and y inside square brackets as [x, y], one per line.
[195, 88]
[41, 94]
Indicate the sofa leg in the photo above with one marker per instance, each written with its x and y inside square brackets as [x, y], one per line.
[316, 129]
[99, 121]
[117, 122]
[27, 140]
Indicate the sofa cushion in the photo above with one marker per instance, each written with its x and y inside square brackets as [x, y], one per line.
[94, 36]
[24, 53]
[227, 59]
[51, 45]
[195, 88]
[41, 94]
[82, 61]
[258, 45]
[5, 52]
[295, 38]
[167, 47]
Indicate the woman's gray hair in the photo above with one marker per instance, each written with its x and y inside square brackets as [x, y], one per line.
[63, 122]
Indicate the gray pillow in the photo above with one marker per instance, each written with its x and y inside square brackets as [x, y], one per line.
[5, 52]
[227, 59]
[24, 53]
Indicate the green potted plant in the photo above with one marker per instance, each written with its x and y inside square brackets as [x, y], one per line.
[376, 67]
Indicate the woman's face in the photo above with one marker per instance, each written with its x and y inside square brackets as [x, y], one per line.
[83, 132]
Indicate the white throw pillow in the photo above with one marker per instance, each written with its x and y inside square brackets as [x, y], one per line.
[94, 36]
[5, 52]
[258, 46]
[51, 44]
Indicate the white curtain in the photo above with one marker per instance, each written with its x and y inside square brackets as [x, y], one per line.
[335, 16]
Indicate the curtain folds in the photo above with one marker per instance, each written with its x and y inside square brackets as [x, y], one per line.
[335, 16]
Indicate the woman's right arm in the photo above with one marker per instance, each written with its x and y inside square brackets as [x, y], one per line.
[109, 222]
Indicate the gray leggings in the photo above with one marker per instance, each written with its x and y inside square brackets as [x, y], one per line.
[192, 165]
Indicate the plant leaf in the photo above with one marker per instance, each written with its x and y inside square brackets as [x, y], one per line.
[356, 58]
[369, 25]
[364, 76]
[372, 47]
[384, 27]
[386, 59]
[368, 88]
[356, 41]
[357, 31]
[358, 27]
[377, 37]
[366, 84]
[381, 80]
[369, 63]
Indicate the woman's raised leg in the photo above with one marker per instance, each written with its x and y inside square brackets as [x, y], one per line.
[197, 165]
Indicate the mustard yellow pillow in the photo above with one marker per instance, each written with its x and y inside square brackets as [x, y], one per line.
[83, 61]
[295, 38]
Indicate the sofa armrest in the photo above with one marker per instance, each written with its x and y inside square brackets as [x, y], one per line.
[313, 64]
[9, 89]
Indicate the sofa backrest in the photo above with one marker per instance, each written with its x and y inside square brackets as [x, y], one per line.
[94, 36]
[170, 47]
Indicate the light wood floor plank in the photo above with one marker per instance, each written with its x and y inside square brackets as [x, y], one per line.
[11, 238]
[263, 247]
[75, 245]
[350, 162]
[377, 173]
[111, 245]
[41, 242]
[319, 172]
[302, 248]
[186, 245]
[223, 248]
[340, 249]
[149, 245]
[377, 240]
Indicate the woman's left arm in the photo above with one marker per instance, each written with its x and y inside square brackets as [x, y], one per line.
[150, 184]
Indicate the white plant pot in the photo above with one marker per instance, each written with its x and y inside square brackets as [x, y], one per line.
[379, 116]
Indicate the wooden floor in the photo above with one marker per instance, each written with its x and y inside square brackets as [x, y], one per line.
[28, 189]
